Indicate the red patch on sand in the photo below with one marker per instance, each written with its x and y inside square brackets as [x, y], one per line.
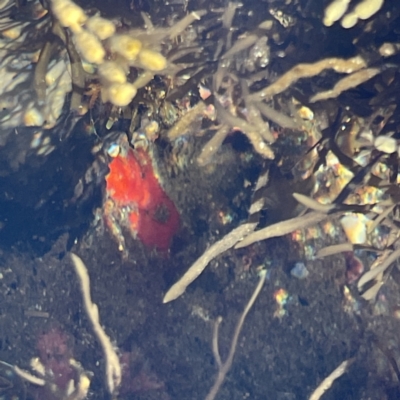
[138, 201]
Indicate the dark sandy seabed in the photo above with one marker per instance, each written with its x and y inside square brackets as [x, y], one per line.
[170, 345]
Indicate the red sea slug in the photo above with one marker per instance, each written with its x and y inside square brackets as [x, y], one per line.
[136, 200]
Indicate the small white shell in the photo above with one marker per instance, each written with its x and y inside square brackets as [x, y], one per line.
[355, 227]
[385, 144]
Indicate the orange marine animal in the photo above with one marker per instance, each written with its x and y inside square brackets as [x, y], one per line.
[135, 202]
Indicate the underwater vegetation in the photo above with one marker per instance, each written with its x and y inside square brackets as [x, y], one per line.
[218, 169]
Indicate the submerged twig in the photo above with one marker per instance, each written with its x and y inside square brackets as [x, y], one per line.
[313, 204]
[183, 125]
[275, 116]
[381, 217]
[240, 45]
[307, 71]
[229, 13]
[252, 133]
[39, 77]
[226, 243]
[328, 381]
[34, 380]
[224, 367]
[348, 82]
[181, 25]
[113, 366]
[334, 249]
[282, 228]
[77, 74]
[77, 388]
[212, 146]
[373, 273]
[254, 116]
[215, 345]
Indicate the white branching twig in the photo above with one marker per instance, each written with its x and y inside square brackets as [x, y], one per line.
[224, 367]
[113, 366]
